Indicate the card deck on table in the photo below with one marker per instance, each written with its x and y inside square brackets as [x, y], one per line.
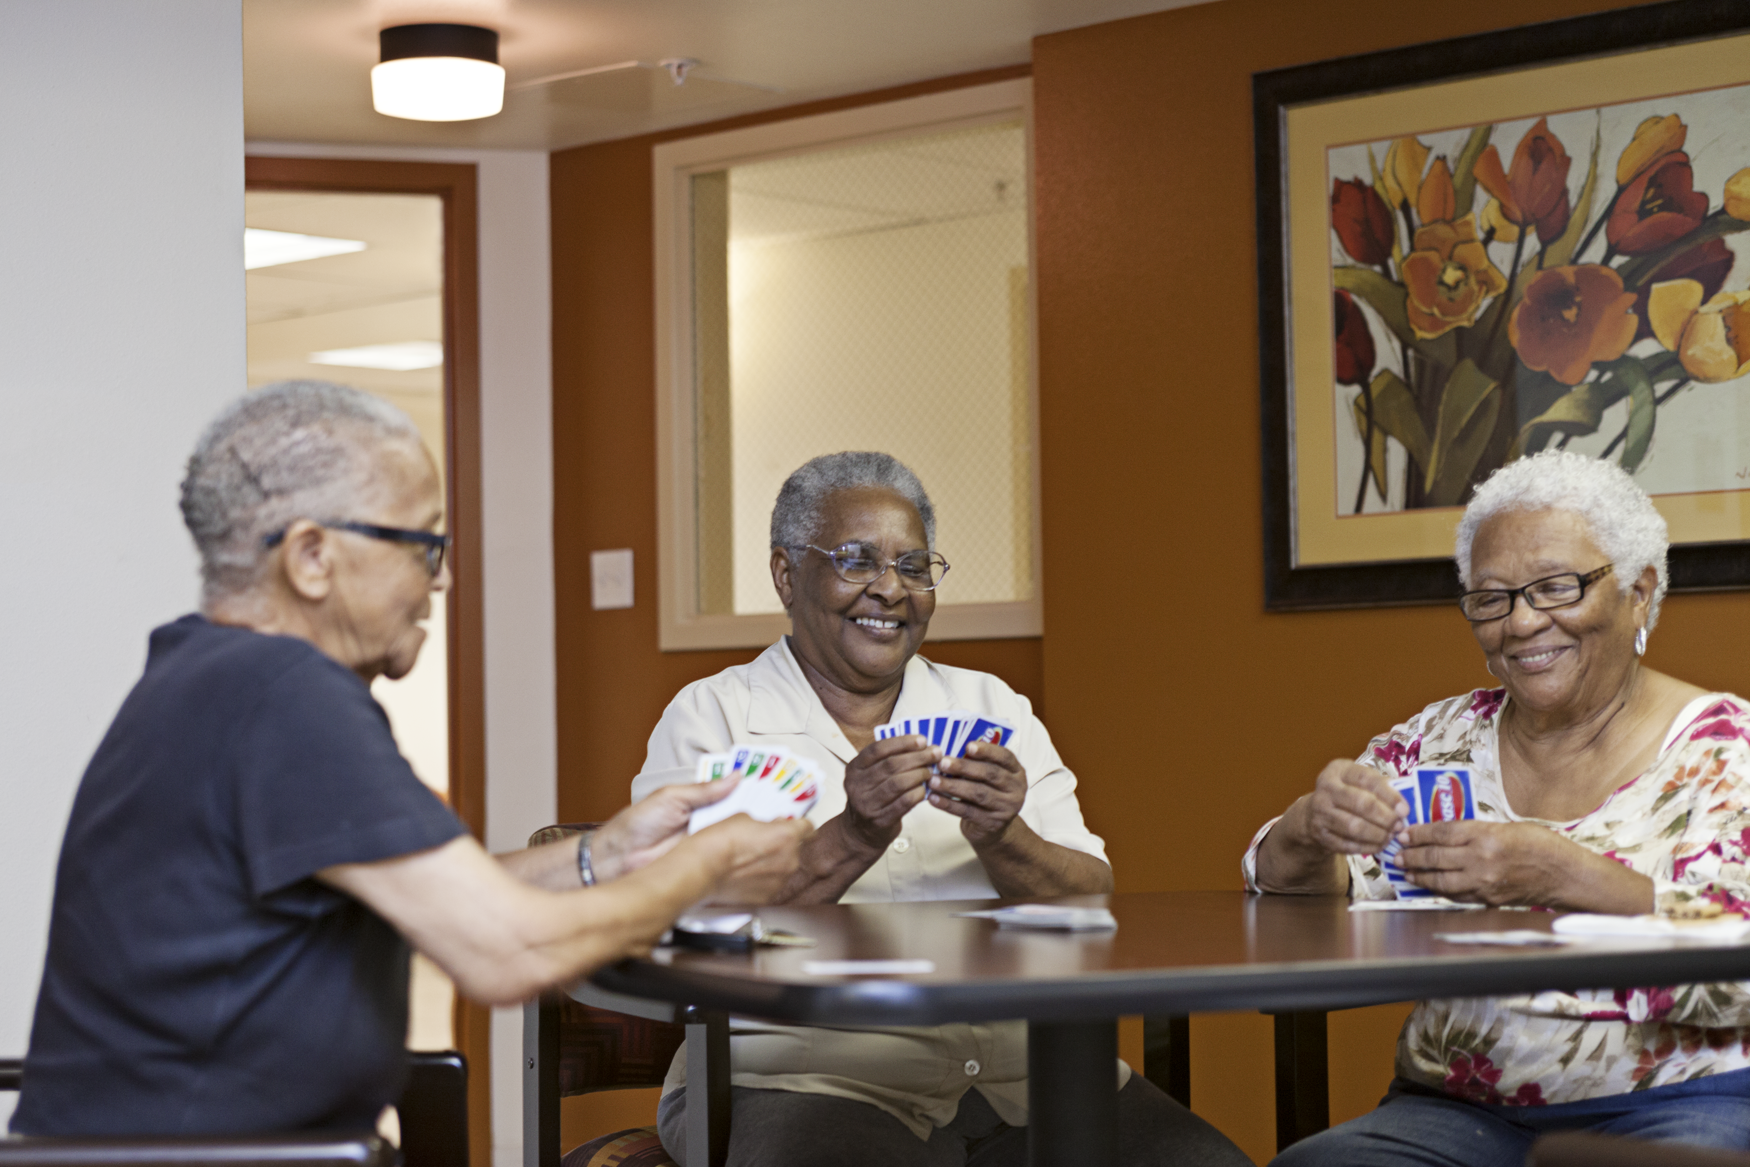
[775, 784]
[1436, 794]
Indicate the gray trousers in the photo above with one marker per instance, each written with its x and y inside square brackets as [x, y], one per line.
[779, 1128]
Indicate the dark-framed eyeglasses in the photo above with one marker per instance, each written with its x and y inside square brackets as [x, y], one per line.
[435, 545]
[1552, 591]
[863, 564]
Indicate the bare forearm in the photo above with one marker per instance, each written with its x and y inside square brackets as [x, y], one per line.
[1290, 863]
[552, 866]
[1597, 884]
[833, 858]
[1020, 863]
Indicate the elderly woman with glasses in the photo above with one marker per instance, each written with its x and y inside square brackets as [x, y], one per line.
[853, 560]
[1599, 786]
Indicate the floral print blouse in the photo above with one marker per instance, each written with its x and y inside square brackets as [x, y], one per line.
[1684, 823]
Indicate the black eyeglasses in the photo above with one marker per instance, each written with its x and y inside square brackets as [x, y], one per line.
[1554, 591]
[863, 564]
[435, 545]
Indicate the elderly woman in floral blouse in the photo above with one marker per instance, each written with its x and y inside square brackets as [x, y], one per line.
[1600, 786]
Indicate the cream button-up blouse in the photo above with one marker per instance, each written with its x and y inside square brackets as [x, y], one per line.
[915, 1074]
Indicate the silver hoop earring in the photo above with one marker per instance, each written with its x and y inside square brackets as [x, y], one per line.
[1488, 668]
[1641, 642]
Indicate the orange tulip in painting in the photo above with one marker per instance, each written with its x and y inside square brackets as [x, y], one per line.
[1570, 319]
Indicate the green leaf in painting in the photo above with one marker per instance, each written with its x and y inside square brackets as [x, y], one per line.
[1641, 411]
[1559, 252]
[1464, 181]
[1394, 416]
[1468, 406]
[1384, 296]
[1576, 413]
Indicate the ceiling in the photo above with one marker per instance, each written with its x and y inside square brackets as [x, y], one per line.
[306, 63]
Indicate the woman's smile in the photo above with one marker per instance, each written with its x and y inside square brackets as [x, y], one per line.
[1539, 659]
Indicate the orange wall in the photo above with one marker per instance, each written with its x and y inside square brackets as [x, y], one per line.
[1190, 714]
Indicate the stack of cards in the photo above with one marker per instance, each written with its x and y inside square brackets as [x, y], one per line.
[775, 784]
[1436, 794]
[953, 731]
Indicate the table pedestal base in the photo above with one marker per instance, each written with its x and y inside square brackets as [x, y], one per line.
[1072, 1095]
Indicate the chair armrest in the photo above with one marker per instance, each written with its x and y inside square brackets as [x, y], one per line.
[11, 1073]
[291, 1150]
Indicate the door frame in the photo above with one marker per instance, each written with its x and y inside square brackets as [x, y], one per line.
[456, 184]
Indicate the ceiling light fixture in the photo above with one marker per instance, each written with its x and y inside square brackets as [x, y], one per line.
[263, 248]
[402, 356]
[438, 73]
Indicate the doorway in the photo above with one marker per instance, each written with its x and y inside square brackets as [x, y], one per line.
[365, 273]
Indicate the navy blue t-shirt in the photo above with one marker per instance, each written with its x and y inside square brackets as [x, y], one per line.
[198, 979]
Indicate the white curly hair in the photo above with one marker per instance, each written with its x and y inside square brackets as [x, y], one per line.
[1623, 521]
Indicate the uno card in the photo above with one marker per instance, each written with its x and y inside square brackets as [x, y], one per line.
[1445, 794]
[713, 767]
[775, 784]
[984, 729]
[1409, 788]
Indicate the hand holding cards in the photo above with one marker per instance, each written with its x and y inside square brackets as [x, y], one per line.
[952, 731]
[1436, 794]
[775, 784]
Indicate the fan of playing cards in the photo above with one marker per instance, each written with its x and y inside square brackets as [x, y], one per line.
[953, 730]
[775, 784]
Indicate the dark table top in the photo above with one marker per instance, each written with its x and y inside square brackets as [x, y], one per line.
[1173, 952]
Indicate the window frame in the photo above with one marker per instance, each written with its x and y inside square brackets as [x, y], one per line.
[681, 627]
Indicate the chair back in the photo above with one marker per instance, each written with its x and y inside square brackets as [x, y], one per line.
[434, 1110]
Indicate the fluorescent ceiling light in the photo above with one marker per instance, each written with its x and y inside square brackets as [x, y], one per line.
[438, 73]
[270, 248]
[402, 356]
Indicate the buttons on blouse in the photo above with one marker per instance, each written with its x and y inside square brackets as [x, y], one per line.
[972, 1067]
[901, 845]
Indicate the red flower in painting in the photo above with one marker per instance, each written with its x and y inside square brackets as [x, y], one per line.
[1570, 318]
[1355, 354]
[1660, 206]
[1535, 191]
[1362, 221]
[1707, 263]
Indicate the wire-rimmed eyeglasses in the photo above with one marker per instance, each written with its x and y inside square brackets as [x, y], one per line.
[1552, 591]
[863, 564]
[435, 545]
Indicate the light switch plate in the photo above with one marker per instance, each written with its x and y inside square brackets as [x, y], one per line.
[610, 578]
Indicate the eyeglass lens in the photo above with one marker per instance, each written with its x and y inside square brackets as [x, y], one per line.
[860, 563]
[1556, 592]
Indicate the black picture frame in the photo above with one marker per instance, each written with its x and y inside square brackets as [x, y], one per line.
[1693, 566]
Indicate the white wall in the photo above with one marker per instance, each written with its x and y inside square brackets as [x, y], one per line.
[121, 321]
[517, 502]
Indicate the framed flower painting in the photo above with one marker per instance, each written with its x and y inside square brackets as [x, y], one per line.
[1474, 250]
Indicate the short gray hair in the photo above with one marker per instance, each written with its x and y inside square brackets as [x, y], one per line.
[1623, 521]
[292, 450]
[802, 498]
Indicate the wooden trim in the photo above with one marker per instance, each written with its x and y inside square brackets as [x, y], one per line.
[456, 184]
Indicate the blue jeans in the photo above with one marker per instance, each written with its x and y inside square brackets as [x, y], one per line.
[1416, 1127]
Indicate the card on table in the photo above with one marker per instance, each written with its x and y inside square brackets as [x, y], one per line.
[774, 784]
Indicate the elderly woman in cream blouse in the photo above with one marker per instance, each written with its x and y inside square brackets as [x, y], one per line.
[1600, 786]
[853, 560]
